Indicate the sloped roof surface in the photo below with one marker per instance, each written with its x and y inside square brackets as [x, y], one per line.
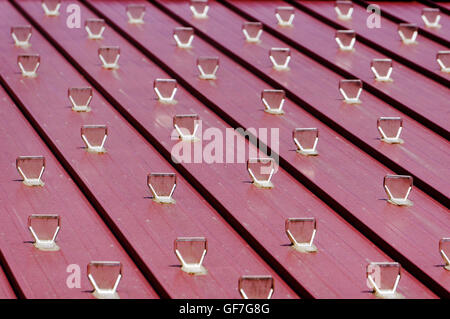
[106, 207]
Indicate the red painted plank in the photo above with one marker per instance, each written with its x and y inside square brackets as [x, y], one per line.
[116, 180]
[83, 236]
[423, 54]
[412, 11]
[319, 38]
[411, 157]
[334, 172]
[260, 214]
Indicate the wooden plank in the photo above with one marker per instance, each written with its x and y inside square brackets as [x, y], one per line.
[259, 215]
[116, 180]
[83, 236]
[421, 57]
[341, 189]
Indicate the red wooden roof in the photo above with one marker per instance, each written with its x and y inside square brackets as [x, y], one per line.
[105, 204]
